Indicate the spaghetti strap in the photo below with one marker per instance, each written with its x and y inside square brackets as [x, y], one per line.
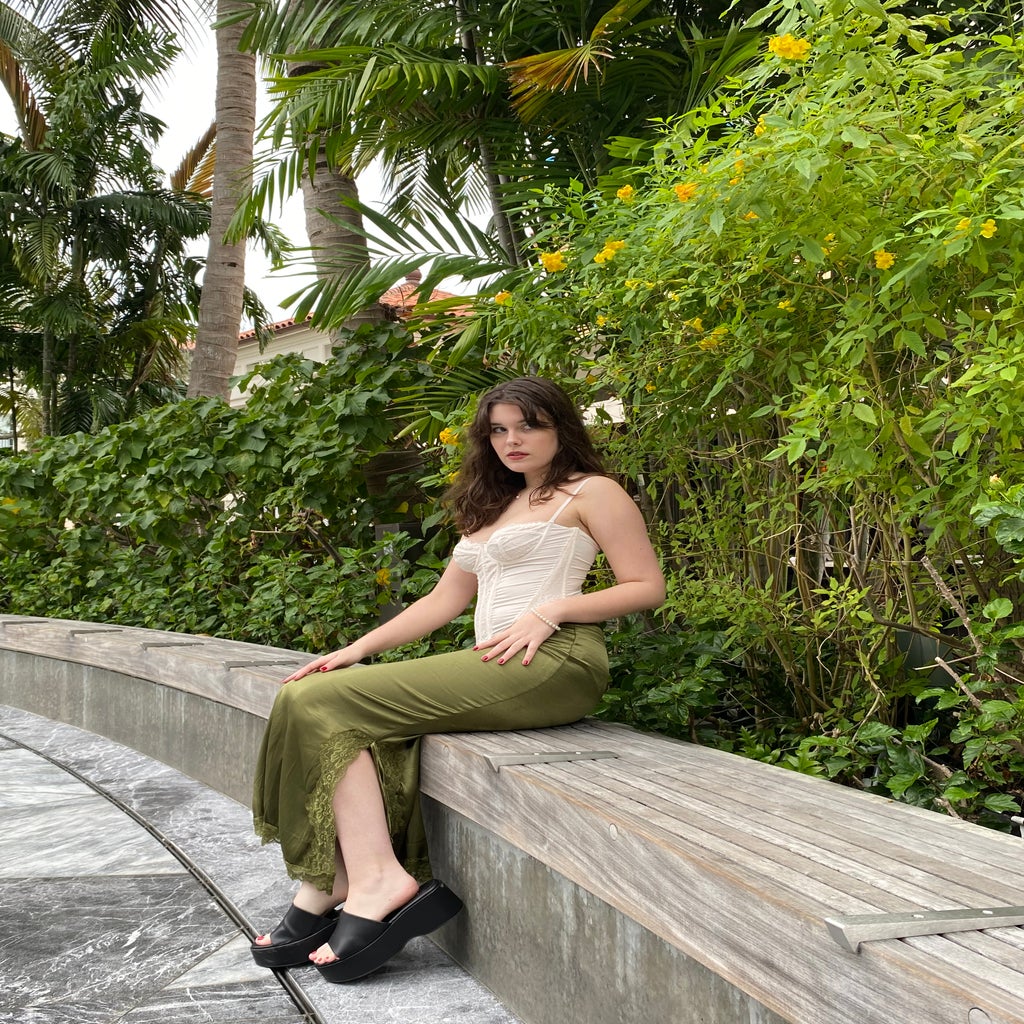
[561, 508]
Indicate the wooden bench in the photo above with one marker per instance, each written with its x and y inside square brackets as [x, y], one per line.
[737, 865]
[658, 883]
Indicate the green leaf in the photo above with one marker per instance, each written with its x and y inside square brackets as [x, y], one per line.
[1002, 803]
[998, 609]
[856, 137]
[973, 749]
[865, 413]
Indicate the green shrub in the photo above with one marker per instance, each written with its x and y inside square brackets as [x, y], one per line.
[807, 299]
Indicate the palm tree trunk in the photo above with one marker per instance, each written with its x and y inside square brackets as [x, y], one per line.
[335, 229]
[48, 384]
[510, 238]
[220, 308]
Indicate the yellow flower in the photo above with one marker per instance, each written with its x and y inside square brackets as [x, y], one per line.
[609, 251]
[709, 344]
[626, 193]
[788, 47]
[685, 192]
[786, 306]
[448, 436]
[734, 181]
[964, 224]
[988, 228]
[649, 388]
[750, 215]
[452, 477]
[739, 166]
[552, 261]
[502, 297]
[632, 282]
[600, 320]
[696, 323]
[830, 237]
[884, 260]
[383, 577]
[760, 128]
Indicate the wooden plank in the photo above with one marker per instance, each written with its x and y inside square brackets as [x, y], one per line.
[885, 865]
[792, 856]
[1002, 945]
[928, 828]
[753, 784]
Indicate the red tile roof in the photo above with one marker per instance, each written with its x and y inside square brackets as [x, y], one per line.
[401, 298]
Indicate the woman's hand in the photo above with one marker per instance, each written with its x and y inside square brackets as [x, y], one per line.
[527, 633]
[338, 659]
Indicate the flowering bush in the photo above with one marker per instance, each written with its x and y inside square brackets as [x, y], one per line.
[815, 328]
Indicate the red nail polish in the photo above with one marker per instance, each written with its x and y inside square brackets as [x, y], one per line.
[323, 668]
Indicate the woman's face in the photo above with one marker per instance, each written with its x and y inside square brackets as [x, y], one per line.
[520, 447]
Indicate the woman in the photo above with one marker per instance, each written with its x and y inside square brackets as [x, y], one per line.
[337, 778]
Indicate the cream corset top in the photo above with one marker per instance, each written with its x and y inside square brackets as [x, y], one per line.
[522, 565]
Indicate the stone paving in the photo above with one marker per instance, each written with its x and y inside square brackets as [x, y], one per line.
[129, 893]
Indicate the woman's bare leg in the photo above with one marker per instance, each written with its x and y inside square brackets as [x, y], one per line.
[310, 898]
[377, 882]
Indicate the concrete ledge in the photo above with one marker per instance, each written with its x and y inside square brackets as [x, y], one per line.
[701, 883]
[668, 884]
[198, 704]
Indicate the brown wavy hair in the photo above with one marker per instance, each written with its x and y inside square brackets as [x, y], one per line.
[485, 487]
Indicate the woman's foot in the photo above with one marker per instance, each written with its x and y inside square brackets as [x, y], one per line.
[373, 903]
[296, 935]
[362, 946]
[310, 899]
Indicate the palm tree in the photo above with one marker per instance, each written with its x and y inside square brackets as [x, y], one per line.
[100, 291]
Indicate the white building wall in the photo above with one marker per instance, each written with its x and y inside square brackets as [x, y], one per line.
[294, 338]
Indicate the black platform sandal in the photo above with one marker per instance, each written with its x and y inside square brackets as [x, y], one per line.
[291, 942]
[362, 945]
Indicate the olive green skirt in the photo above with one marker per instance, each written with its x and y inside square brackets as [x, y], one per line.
[321, 722]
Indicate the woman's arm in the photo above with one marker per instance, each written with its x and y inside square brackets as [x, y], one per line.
[611, 517]
[449, 598]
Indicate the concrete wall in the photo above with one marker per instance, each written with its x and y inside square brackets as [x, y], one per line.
[207, 740]
[552, 952]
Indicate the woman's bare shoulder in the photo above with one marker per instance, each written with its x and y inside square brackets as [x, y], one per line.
[601, 486]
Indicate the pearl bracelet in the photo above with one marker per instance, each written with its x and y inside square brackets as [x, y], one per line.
[547, 622]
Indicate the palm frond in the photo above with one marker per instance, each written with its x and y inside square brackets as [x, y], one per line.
[195, 171]
[30, 117]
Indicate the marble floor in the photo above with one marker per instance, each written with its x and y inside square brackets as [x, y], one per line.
[102, 920]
